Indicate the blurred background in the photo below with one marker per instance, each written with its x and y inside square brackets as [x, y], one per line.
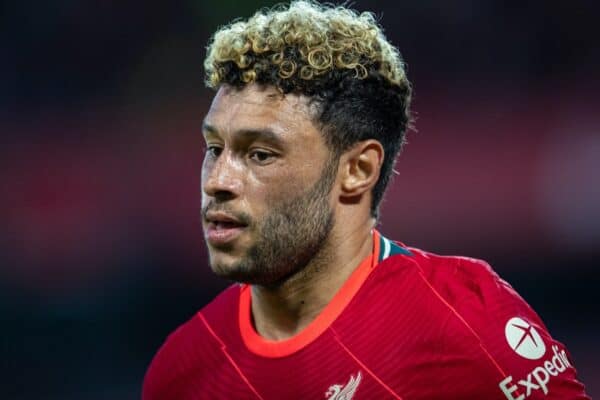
[101, 103]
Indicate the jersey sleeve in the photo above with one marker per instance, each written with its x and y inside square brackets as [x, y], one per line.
[528, 362]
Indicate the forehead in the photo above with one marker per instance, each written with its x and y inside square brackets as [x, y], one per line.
[260, 107]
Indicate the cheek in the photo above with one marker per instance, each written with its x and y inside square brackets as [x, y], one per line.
[204, 197]
[280, 189]
[296, 176]
[204, 172]
[208, 164]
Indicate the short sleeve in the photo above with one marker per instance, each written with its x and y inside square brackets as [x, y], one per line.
[512, 340]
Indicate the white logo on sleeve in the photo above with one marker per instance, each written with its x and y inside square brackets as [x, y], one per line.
[524, 339]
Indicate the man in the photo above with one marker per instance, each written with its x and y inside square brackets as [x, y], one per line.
[310, 113]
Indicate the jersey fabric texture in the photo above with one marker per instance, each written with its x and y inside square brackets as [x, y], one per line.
[407, 325]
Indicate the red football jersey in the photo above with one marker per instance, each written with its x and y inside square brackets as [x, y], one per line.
[407, 325]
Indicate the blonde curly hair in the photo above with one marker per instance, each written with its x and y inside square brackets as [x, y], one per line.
[336, 56]
[305, 41]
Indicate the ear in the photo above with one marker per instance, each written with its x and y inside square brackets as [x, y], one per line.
[361, 166]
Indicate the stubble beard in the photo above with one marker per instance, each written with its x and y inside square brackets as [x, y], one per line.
[293, 234]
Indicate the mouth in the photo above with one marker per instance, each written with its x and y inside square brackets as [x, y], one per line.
[222, 228]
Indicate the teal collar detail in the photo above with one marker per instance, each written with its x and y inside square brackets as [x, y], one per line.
[388, 248]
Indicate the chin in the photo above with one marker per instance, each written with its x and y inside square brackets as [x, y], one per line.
[234, 274]
[226, 265]
[239, 271]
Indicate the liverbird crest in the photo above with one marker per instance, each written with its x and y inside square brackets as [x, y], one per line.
[339, 392]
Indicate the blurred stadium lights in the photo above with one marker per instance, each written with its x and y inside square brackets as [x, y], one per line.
[569, 183]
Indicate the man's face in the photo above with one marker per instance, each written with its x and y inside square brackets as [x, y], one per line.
[266, 182]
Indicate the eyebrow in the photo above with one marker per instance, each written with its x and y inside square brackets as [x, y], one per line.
[248, 134]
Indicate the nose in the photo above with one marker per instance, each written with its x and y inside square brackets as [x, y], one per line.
[222, 177]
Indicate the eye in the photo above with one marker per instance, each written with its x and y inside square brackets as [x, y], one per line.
[261, 156]
[213, 151]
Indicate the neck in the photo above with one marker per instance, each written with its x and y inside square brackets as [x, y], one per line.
[285, 310]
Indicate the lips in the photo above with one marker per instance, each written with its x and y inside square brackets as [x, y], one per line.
[222, 228]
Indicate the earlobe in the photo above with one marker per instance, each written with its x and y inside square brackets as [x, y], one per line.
[362, 165]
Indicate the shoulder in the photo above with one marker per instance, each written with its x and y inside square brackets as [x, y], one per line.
[473, 292]
[469, 287]
[458, 278]
[464, 285]
[491, 328]
[189, 346]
